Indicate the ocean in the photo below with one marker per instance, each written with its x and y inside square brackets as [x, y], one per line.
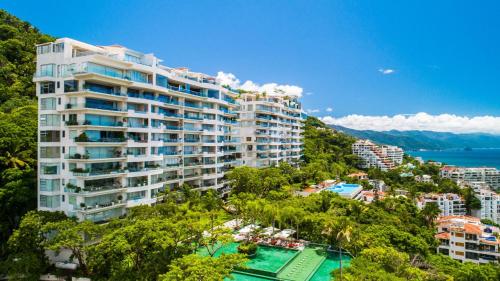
[473, 158]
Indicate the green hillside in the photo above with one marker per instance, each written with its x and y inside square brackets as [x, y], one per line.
[18, 121]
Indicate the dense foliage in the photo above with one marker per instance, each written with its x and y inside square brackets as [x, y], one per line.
[18, 122]
[390, 239]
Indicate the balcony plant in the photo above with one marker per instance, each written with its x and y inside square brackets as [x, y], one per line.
[82, 205]
[86, 122]
[82, 138]
[80, 170]
[73, 187]
[77, 156]
[71, 123]
[119, 197]
[248, 248]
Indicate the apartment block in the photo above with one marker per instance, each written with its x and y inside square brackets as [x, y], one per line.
[271, 129]
[490, 205]
[490, 176]
[450, 204]
[116, 127]
[384, 157]
[466, 239]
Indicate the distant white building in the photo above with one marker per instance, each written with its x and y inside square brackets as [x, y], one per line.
[490, 205]
[378, 185]
[423, 178]
[450, 204]
[490, 176]
[466, 239]
[384, 157]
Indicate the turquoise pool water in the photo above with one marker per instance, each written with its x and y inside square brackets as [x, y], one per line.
[331, 263]
[270, 259]
[344, 188]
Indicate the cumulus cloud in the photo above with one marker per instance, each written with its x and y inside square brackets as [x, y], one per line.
[329, 109]
[270, 88]
[386, 71]
[420, 121]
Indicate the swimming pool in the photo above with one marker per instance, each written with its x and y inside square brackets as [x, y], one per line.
[348, 190]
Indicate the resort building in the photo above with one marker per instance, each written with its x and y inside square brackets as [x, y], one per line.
[490, 205]
[271, 129]
[490, 176]
[384, 157]
[424, 179]
[116, 128]
[450, 204]
[466, 239]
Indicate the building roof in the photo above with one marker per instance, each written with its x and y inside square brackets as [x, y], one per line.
[443, 235]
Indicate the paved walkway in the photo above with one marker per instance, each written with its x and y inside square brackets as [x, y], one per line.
[302, 266]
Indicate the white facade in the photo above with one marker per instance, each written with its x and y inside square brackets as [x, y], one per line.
[450, 204]
[490, 176]
[465, 239]
[271, 129]
[116, 127]
[374, 156]
[490, 205]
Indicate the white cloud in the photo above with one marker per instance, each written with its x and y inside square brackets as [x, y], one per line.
[329, 109]
[312, 110]
[270, 88]
[420, 121]
[308, 94]
[386, 71]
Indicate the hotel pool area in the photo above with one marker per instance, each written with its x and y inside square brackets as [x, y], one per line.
[348, 190]
[275, 263]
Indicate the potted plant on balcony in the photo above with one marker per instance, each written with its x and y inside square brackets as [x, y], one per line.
[82, 138]
[248, 248]
[82, 205]
[77, 156]
[86, 122]
[119, 197]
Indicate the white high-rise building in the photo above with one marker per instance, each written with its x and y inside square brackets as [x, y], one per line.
[271, 129]
[450, 204]
[490, 176]
[116, 127]
[384, 157]
[490, 205]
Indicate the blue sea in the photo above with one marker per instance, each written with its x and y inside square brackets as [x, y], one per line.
[473, 158]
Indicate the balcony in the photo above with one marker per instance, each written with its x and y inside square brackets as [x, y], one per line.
[92, 123]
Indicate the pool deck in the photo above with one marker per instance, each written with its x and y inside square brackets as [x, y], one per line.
[303, 266]
[274, 263]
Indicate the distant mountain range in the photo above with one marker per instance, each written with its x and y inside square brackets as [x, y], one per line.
[416, 140]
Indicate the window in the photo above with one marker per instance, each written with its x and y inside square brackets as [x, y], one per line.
[50, 120]
[50, 201]
[138, 76]
[50, 136]
[132, 58]
[161, 80]
[48, 104]
[47, 87]
[50, 185]
[49, 168]
[459, 234]
[70, 86]
[58, 48]
[50, 152]
[47, 70]
[44, 49]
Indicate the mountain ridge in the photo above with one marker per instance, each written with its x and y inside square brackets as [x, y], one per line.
[425, 140]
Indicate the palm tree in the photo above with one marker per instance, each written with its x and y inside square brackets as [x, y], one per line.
[430, 212]
[344, 234]
[339, 231]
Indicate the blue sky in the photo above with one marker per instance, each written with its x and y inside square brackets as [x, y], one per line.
[444, 55]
